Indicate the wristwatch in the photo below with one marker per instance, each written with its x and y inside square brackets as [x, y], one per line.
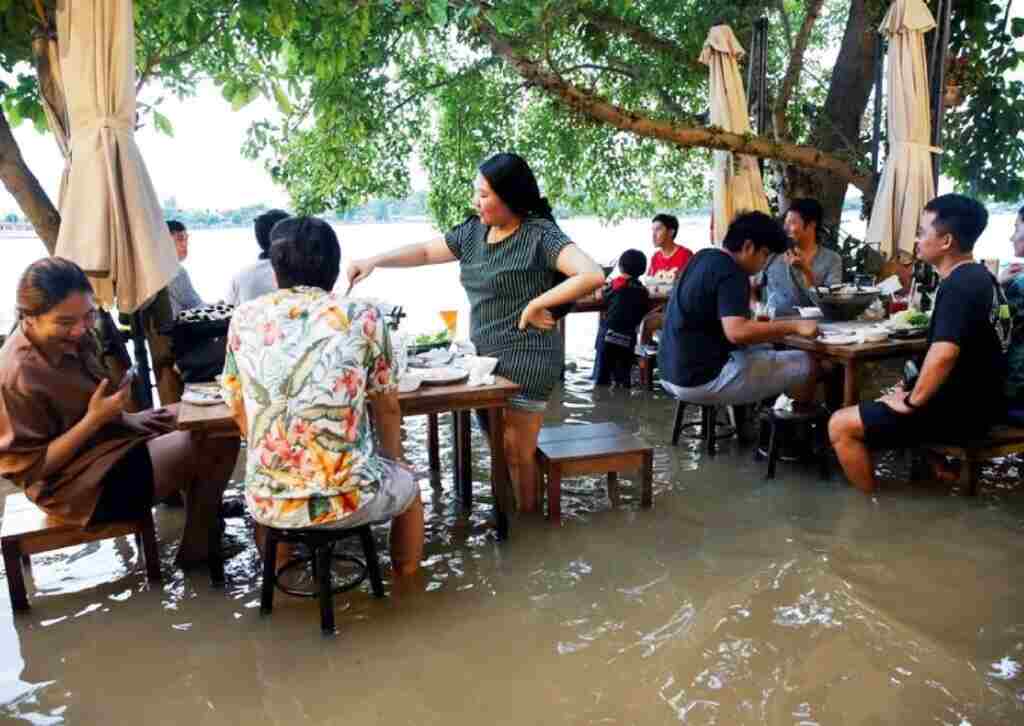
[908, 404]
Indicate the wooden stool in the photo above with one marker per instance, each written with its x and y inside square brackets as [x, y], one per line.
[782, 423]
[592, 449]
[320, 542]
[28, 530]
[708, 425]
[1002, 440]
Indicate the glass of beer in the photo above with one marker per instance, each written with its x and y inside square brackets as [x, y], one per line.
[451, 320]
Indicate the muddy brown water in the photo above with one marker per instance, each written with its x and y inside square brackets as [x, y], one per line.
[733, 601]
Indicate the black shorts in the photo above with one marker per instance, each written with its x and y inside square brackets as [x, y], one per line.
[127, 490]
[886, 429]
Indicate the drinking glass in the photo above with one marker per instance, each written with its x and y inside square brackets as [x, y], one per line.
[400, 346]
[451, 319]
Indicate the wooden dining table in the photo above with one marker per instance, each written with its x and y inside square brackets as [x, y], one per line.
[851, 356]
[428, 400]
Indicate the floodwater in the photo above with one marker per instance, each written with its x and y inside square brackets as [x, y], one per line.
[733, 601]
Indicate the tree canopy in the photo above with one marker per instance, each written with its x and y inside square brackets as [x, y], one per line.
[605, 98]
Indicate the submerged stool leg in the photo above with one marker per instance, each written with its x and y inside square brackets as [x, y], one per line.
[773, 448]
[322, 555]
[677, 425]
[269, 572]
[372, 564]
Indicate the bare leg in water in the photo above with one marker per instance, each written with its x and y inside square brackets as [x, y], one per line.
[521, 431]
[200, 470]
[846, 430]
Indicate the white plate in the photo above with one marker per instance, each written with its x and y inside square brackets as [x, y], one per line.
[201, 397]
[409, 383]
[442, 376]
[842, 339]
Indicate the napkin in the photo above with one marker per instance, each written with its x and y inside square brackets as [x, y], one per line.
[890, 285]
[810, 312]
[783, 403]
[481, 370]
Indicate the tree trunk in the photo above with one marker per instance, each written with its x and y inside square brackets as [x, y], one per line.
[26, 189]
[837, 129]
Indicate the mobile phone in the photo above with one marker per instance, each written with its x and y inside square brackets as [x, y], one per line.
[129, 377]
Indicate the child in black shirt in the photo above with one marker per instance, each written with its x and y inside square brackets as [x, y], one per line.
[628, 303]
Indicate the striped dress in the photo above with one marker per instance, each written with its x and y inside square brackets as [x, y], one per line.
[500, 279]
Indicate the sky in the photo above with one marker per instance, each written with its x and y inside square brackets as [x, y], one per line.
[201, 166]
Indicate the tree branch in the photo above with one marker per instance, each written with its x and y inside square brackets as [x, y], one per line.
[642, 36]
[796, 64]
[22, 184]
[597, 109]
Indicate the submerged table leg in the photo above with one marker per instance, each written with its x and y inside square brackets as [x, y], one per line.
[851, 396]
[500, 480]
[433, 446]
[464, 458]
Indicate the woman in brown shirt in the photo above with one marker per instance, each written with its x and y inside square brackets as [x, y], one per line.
[65, 434]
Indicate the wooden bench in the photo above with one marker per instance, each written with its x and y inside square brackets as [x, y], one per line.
[592, 449]
[1002, 440]
[28, 530]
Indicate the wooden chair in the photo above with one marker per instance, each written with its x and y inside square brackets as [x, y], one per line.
[647, 361]
[592, 449]
[320, 544]
[1002, 440]
[28, 530]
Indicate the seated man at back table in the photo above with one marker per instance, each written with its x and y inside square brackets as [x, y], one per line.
[805, 264]
[668, 257]
[958, 393]
[303, 366]
[708, 352]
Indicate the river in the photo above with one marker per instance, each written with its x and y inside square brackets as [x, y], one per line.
[733, 601]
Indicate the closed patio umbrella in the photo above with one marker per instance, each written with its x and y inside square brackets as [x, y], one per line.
[111, 221]
[907, 183]
[738, 184]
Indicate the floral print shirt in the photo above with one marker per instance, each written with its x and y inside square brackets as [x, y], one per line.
[303, 362]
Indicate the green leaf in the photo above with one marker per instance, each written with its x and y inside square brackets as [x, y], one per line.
[265, 418]
[438, 11]
[282, 99]
[318, 506]
[300, 374]
[162, 123]
[1017, 27]
[242, 98]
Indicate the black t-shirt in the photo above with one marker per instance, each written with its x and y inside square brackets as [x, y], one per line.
[693, 347]
[627, 307]
[967, 313]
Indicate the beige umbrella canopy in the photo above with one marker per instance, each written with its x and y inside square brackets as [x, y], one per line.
[111, 222]
[907, 183]
[738, 184]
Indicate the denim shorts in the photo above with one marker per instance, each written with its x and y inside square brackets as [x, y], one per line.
[750, 375]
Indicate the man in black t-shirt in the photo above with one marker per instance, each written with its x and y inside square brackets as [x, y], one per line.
[959, 391]
[708, 352]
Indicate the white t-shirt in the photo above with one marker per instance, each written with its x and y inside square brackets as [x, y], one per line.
[252, 282]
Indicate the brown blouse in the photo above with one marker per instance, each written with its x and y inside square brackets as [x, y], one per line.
[38, 403]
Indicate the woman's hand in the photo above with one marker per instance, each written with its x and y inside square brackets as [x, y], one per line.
[103, 408]
[153, 421]
[537, 317]
[359, 270]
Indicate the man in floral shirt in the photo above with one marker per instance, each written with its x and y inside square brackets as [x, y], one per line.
[302, 364]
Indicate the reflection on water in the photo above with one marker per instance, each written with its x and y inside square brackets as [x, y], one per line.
[733, 601]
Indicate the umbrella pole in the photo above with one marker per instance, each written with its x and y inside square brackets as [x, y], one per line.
[876, 138]
[940, 51]
[143, 388]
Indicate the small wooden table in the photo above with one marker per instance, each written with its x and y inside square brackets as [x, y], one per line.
[427, 401]
[576, 449]
[851, 356]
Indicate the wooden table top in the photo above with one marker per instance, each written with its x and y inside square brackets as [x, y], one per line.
[426, 399]
[858, 351]
[590, 304]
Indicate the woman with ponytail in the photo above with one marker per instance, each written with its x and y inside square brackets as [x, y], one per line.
[517, 266]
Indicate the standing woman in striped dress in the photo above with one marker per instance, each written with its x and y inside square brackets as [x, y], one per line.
[510, 254]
